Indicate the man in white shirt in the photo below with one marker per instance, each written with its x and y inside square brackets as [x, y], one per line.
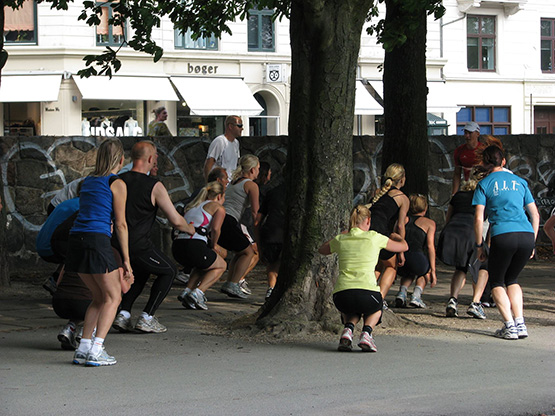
[224, 149]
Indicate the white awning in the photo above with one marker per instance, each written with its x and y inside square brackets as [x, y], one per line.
[29, 88]
[132, 88]
[365, 104]
[438, 100]
[217, 96]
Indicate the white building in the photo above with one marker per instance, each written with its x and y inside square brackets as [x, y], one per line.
[488, 60]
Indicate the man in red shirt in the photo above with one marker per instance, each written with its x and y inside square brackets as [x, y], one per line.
[465, 155]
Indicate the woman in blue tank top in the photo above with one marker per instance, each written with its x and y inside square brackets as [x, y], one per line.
[102, 199]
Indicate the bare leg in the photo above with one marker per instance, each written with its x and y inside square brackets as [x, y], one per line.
[212, 275]
[194, 279]
[479, 286]
[503, 302]
[457, 283]
[514, 292]
[240, 264]
[387, 277]
[373, 319]
[272, 272]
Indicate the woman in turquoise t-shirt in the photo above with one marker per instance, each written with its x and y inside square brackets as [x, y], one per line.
[356, 293]
[505, 198]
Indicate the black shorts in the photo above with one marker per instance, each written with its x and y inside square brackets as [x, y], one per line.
[90, 253]
[231, 237]
[386, 255]
[358, 301]
[416, 264]
[271, 252]
[73, 309]
[193, 253]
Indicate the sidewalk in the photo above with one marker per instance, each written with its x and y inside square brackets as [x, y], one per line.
[433, 366]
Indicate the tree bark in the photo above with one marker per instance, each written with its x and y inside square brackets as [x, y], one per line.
[405, 91]
[325, 42]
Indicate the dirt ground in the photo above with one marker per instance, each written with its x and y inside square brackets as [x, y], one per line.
[237, 319]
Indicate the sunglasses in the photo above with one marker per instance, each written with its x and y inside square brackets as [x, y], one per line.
[239, 125]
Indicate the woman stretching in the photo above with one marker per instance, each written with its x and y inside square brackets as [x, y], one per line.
[505, 198]
[103, 196]
[389, 210]
[206, 214]
[240, 193]
[356, 293]
[420, 233]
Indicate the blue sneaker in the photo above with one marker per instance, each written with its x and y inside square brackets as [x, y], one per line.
[79, 358]
[100, 359]
[401, 300]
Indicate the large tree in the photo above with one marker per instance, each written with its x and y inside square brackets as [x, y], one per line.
[325, 42]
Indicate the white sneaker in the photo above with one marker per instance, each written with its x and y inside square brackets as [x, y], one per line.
[244, 287]
[346, 340]
[521, 330]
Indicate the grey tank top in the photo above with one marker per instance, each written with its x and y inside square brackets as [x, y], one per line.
[236, 199]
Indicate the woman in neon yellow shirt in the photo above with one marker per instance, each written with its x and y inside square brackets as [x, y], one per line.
[356, 293]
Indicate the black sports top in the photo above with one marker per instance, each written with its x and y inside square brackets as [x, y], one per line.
[384, 213]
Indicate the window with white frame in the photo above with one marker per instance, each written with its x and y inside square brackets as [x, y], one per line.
[106, 33]
[185, 41]
[547, 45]
[491, 119]
[261, 36]
[480, 43]
[20, 26]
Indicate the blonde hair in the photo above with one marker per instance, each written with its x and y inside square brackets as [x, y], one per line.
[358, 215]
[246, 163]
[418, 203]
[475, 176]
[108, 157]
[392, 176]
[210, 191]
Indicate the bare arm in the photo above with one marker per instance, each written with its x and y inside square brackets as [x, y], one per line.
[532, 210]
[401, 221]
[208, 165]
[549, 229]
[456, 179]
[216, 225]
[119, 192]
[251, 188]
[430, 239]
[478, 230]
[396, 244]
[162, 199]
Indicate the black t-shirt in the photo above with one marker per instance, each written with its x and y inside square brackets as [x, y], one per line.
[462, 202]
[273, 208]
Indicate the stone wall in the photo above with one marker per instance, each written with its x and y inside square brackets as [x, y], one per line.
[34, 169]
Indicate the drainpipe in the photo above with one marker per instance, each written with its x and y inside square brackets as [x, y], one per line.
[441, 24]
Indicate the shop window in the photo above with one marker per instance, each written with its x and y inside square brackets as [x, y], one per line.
[20, 26]
[185, 41]
[547, 45]
[492, 120]
[480, 47]
[107, 33]
[261, 31]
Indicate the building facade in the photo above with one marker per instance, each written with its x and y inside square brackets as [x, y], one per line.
[491, 61]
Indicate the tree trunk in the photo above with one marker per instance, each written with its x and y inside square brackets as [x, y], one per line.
[325, 42]
[405, 91]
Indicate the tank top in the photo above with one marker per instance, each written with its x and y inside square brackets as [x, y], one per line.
[139, 211]
[384, 213]
[414, 235]
[198, 217]
[236, 200]
[95, 206]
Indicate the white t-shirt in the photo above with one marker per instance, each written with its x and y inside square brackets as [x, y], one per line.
[225, 153]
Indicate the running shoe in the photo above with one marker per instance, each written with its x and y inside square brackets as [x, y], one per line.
[67, 338]
[150, 325]
[507, 333]
[79, 335]
[181, 278]
[521, 330]
[187, 302]
[417, 303]
[401, 299]
[100, 359]
[50, 285]
[79, 358]
[244, 287]
[346, 340]
[269, 293]
[475, 310]
[197, 298]
[122, 324]
[233, 290]
[385, 307]
[182, 295]
[366, 342]
[451, 308]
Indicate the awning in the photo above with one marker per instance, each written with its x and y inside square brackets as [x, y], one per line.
[132, 88]
[29, 88]
[438, 100]
[365, 104]
[435, 121]
[217, 96]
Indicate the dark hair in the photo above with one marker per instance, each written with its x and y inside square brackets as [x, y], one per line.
[217, 173]
[263, 173]
[492, 157]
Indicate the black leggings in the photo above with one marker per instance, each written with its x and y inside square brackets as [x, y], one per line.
[508, 255]
[358, 301]
[152, 261]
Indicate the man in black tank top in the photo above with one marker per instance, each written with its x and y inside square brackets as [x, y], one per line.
[145, 195]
